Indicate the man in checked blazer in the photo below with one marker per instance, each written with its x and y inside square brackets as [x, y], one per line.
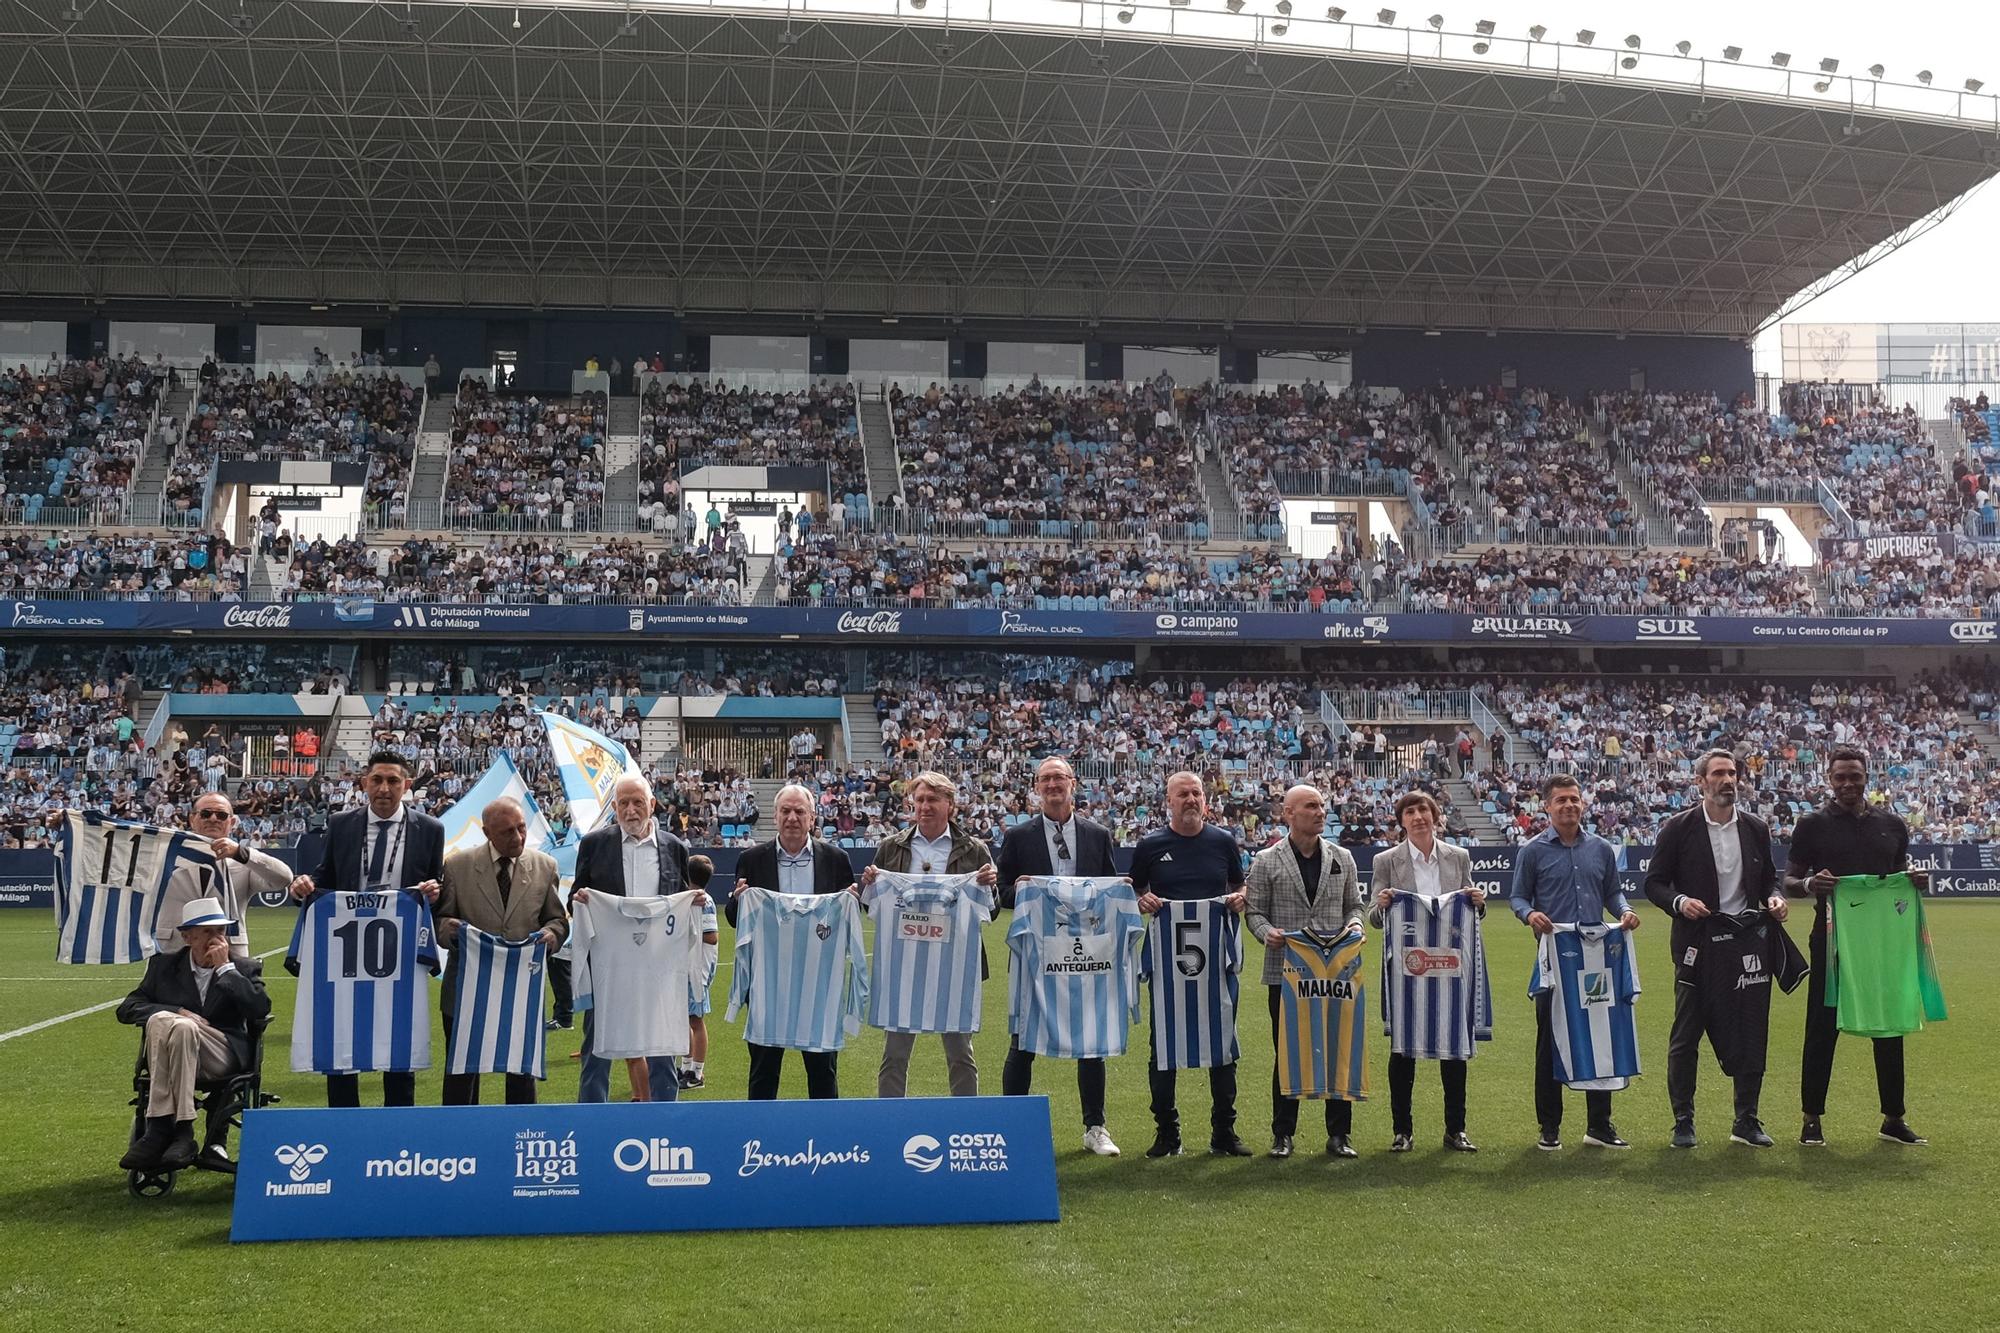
[1423, 865]
[1306, 882]
[504, 888]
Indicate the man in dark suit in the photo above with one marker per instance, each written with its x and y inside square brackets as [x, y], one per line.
[792, 862]
[636, 857]
[1059, 841]
[1710, 859]
[202, 1011]
[507, 889]
[384, 846]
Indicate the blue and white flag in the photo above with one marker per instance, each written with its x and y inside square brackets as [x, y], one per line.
[461, 821]
[590, 764]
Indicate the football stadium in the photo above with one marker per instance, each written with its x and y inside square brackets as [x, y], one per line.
[1238, 548]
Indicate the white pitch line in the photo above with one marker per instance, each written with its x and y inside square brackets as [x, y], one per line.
[84, 1013]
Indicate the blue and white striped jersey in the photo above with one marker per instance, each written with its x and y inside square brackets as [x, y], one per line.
[111, 877]
[634, 963]
[1073, 988]
[363, 961]
[1193, 954]
[1437, 999]
[927, 935]
[801, 967]
[1595, 978]
[497, 1028]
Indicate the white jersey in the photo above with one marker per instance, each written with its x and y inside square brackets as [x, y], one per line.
[801, 967]
[111, 880]
[497, 1023]
[926, 975]
[634, 964]
[711, 954]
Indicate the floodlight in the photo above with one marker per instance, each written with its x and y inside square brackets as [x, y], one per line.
[1829, 66]
[1436, 21]
[1484, 27]
[1876, 71]
[1924, 77]
[1973, 85]
[1385, 16]
[1633, 41]
[1782, 59]
[1585, 37]
[1538, 32]
[1732, 53]
[1336, 14]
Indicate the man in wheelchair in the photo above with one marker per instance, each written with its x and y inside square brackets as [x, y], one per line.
[203, 1012]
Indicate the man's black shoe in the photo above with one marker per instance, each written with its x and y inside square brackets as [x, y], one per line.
[182, 1151]
[1810, 1134]
[1897, 1132]
[1230, 1146]
[1281, 1146]
[1338, 1146]
[146, 1150]
[1459, 1143]
[1604, 1136]
[1684, 1134]
[1750, 1133]
[1165, 1145]
[1551, 1140]
[215, 1158]
[1401, 1143]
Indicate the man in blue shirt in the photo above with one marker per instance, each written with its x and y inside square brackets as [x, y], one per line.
[1188, 860]
[1569, 876]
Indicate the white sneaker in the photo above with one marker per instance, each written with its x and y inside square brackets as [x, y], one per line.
[1096, 1139]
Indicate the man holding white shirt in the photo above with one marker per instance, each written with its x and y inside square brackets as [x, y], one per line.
[633, 858]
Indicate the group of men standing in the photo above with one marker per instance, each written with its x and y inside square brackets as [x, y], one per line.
[1712, 860]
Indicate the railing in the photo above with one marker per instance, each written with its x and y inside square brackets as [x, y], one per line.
[1403, 705]
[919, 522]
[1329, 713]
[14, 512]
[1386, 483]
[429, 516]
[1722, 490]
[1499, 741]
[1830, 502]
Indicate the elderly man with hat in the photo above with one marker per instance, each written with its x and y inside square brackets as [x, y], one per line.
[202, 1010]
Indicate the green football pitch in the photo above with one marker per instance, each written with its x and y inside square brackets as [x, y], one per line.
[1859, 1234]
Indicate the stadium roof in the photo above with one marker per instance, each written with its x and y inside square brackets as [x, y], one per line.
[855, 167]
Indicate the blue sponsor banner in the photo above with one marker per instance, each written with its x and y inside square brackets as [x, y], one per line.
[667, 1166]
[1039, 627]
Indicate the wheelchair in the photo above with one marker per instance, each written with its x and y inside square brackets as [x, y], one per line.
[215, 1100]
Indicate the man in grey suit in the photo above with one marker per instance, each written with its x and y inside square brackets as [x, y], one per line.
[239, 875]
[1421, 864]
[1306, 882]
[504, 888]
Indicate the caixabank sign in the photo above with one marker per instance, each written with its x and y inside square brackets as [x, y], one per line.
[673, 1166]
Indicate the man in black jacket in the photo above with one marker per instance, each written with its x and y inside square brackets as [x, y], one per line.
[1711, 859]
[792, 862]
[1059, 841]
[202, 1012]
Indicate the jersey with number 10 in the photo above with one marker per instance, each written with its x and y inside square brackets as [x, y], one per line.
[1323, 1019]
[1192, 955]
[1595, 980]
[364, 962]
[1073, 991]
[927, 933]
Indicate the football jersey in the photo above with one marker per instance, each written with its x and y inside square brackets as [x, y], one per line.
[111, 877]
[364, 963]
[801, 967]
[1193, 957]
[1730, 965]
[634, 963]
[1881, 974]
[497, 1026]
[1595, 979]
[1073, 987]
[1437, 999]
[1322, 1019]
[926, 965]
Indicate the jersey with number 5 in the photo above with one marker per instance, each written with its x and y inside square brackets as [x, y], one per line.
[364, 963]
[1192, 955]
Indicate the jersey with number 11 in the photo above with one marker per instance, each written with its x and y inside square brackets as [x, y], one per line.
[364, 962]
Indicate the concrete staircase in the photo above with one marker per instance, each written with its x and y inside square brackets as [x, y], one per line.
[1225, 520]
[427, 478]
[267, 578]
[1660, 528]
[621, 478]
[149, 487]
[438, 410]
[1983, 732]
[766, 791]
[760, 580]
[659, 737]
[624, 416]
[348, 739]
[878, 447]
[864, 732]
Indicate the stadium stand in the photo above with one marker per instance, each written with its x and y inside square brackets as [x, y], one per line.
[525, 464]
[70, 436]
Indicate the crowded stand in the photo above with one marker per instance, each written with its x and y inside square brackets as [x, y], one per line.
[1599, 583]
[71, 435]
[1041, 462]
[684, 426]
[522, 463]
[1536, 473]
[69, 563]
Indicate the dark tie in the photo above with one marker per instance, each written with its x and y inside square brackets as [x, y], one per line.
[506, 878]
[1062, 844]
[377, 857]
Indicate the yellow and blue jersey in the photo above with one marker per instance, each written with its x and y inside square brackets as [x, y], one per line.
[1322, 1019]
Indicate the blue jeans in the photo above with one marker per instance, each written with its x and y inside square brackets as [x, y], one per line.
[594, 1085]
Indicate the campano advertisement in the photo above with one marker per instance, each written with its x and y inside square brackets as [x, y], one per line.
[674, 1166]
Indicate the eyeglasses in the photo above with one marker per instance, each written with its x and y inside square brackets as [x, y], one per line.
[211, 814]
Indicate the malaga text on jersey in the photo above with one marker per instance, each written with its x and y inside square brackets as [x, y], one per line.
[1323, 1018]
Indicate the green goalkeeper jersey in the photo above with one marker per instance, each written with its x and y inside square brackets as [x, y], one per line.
[1881, 975]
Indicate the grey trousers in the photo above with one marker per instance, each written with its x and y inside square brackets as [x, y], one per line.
[893, 1078]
